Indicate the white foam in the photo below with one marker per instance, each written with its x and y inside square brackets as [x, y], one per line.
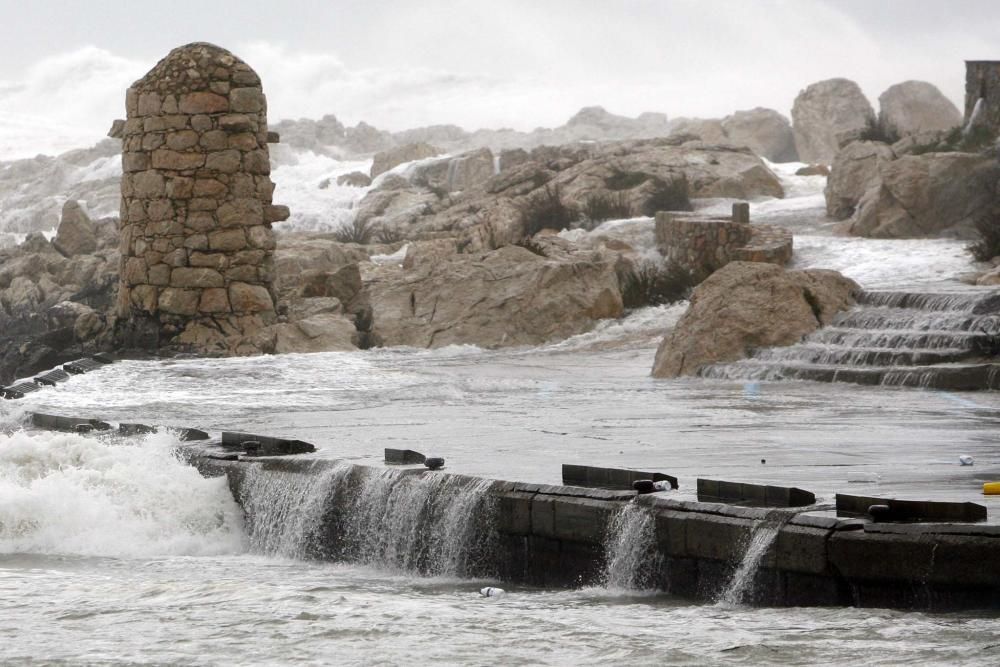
[71, 494]
[314, 208]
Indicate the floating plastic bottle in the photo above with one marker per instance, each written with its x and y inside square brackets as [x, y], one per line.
[965, 460]
[492, 592]
[662, 485]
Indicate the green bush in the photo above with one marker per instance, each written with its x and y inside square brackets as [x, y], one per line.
[357, 231]
[655, 283]
[545, 210]
[601, 207]
[988, 245]
[667, 196]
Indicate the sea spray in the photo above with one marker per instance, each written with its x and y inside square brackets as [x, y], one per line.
[286, 510]
[761, 538]
[439, 525]
[632, 561]
[74, 494]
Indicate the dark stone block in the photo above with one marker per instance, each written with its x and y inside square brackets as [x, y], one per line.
[610, 478]
[801, 549]
[544, 567]
[582, 519]
[18, 390]
[514, 512]
[753, 494]
[68, 424]
[403, 456]
[135, 429]
[190, 434]
[262, 445]
[679, 576]
[102, 358]
[910, 510]
[81, 366]
[860, 556]
[810, 590]
[716, 538]
[670, 532]
[580, 564]
[543, 515]
[52, 378]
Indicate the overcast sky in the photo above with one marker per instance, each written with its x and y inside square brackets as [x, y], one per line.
[516, 63]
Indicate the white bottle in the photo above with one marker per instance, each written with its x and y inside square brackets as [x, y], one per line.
[492, 592]
[965, 460]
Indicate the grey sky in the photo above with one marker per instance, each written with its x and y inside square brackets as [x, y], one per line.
[518, 63]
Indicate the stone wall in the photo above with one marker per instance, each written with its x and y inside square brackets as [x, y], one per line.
[704, 245]
[196, 212]
[982, 79]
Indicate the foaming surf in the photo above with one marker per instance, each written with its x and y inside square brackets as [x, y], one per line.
[80, 495]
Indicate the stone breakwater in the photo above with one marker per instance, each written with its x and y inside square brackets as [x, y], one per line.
[196, 241]
[558, 535]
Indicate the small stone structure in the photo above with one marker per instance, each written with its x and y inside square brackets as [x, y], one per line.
[982, 80]
[703, 245]
[196, 212]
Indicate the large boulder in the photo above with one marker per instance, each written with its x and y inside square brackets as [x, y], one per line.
[827, 116]
[458, 173]
[510, 296]
[855, 170]
[744, 306]
[913, 107]
[765, 131]
[76, 234]
[386, 160]
[935, 194]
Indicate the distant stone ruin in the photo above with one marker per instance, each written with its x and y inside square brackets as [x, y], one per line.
[197, 270]
[982, 81]
[703, 245]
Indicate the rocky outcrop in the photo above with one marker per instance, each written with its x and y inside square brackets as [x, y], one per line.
[708, 130]
[32, 191]
[386, 160]
[827, 116]
[855, 169]
[355, 179]
[53, 307]
[933, 194]
[913, 107]
[505, 297]
[640, 178]
[76, 234]
[765, 131]
[744, 306]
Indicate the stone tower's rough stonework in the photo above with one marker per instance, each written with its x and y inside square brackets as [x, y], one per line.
[196, 213]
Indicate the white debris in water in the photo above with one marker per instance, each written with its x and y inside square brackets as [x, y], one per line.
[965, 460]
[394, 258]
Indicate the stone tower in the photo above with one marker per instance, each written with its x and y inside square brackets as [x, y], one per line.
[196, 212]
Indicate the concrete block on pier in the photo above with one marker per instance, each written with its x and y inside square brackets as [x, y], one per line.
[403, 456]
[716, 538]
[582, 519]
[710, 490]
[801, 549]
[18, 390]
[68, 424]
[910, 510]
[52, 378]
[263, 445]
[81, 366]
[610, 478]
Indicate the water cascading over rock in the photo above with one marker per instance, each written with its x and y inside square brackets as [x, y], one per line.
[196, 241]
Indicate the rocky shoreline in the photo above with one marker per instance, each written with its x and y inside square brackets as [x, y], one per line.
[460, 249]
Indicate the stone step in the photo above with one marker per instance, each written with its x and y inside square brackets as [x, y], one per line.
[979, 302]
[818, 353]
[906, 339]
[956, 377]
[917, 320]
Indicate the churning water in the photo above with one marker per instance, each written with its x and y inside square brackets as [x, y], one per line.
[115, 552]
